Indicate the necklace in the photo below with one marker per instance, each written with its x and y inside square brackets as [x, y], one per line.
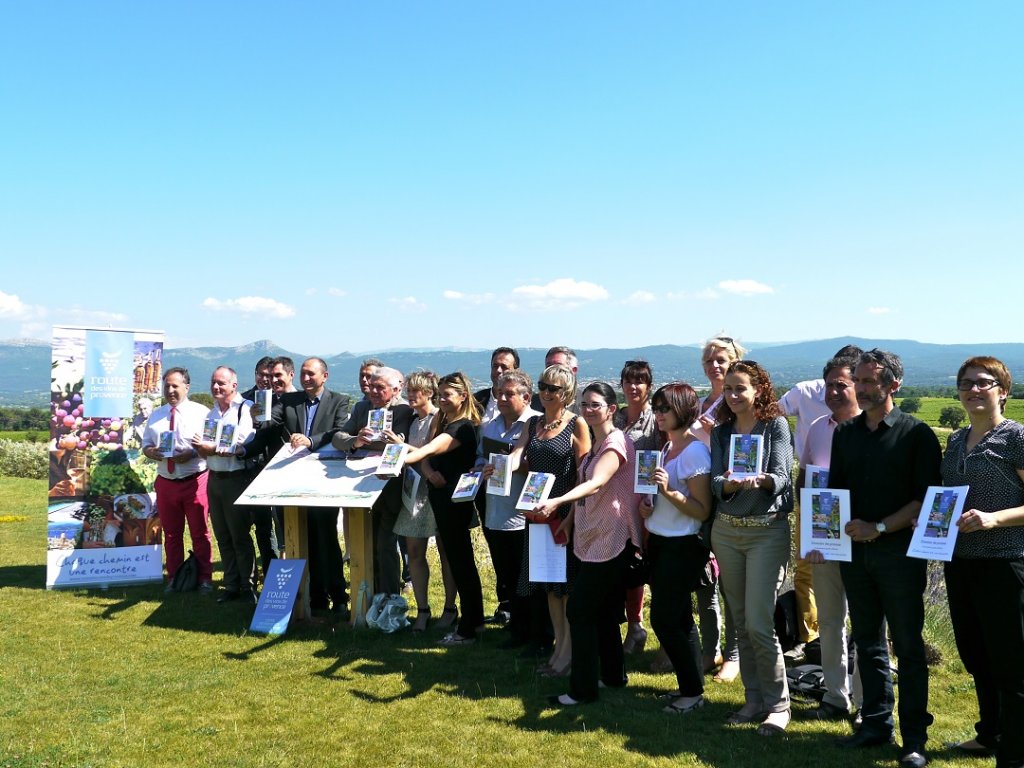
[554, 424]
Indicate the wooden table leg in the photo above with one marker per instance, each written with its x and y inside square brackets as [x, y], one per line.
[360, 559]
[295, 534]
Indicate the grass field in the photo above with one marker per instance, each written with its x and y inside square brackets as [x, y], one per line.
[127, 677]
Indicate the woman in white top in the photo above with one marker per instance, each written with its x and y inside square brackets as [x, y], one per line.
[719, 353]
[676, 552]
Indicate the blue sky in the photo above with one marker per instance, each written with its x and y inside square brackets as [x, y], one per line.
[364, 176]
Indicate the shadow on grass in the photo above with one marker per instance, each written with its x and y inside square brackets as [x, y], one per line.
[23, 576]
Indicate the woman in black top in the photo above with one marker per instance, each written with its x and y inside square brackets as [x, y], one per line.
[453, 452]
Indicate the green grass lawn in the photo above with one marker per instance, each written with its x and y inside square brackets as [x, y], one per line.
[127, 677]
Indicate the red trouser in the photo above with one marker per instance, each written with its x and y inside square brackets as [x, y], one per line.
[176, 502]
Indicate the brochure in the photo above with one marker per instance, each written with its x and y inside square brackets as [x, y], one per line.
[934, 537]
[646, 463]
[824, 513]
[410, 488]
[167, 444]
[500, 483]
[226, 438]
[815, 476]
[210, 430]
[466, 488]
[547, 559]
[392, 459]
[746, 455]
[264, 399]
[378, 421]
[536, 489]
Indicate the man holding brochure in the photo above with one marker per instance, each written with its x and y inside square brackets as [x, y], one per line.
[841, 400]
[504, 525]
[887, 459]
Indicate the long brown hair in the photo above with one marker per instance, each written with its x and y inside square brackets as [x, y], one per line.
[766, 407]
[470, 408]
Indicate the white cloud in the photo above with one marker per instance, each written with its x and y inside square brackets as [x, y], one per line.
[11, 305]
[564, 293]
[337, 292]
[879, 310]
[469, 298]
[409, 304]
[704, 294]
[251, 305]
[745, 287]
[639, 298]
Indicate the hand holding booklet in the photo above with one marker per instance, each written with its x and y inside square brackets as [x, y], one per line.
[824, 513]
[500, 482]
[646, 463]
[536, 489]
[466, 488]
[392, 459]
[934, 537]
[746, 455]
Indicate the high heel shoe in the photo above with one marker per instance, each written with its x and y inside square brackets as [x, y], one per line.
[449, 617]
[636, 639]
[422, 618]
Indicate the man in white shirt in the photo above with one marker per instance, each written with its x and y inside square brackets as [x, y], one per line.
[502, 359]
[830, 595]
[230, 420]
[181, 476]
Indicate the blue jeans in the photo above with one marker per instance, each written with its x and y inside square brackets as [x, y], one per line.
[883, 584]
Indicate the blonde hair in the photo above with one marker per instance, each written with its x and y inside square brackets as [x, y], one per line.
[563, 376]
[470, 408]
[421, 381]
[727, 344]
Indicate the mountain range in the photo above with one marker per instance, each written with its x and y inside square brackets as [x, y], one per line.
[24, 363]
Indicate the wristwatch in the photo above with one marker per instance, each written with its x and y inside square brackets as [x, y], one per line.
[880, 527]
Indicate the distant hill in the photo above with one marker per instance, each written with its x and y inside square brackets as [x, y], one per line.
[25, 363]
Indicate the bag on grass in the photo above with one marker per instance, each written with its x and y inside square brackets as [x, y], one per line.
[186, 578]
[807, 681]
[785, 620]
[388, 612]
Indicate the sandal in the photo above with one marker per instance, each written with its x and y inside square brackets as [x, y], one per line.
[422, 617]
[679, 707]
[455, 639]
[449, 616]
[728, 672]
[746, 715]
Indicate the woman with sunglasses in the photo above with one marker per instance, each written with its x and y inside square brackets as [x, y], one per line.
[676, 555]
[637, 421]
[607, 539]
[985, 578]
[452, 452]
[750, 538]
[553, 442]
[718, 354]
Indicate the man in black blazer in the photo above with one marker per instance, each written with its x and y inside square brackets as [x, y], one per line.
[385, 392]
[309, 419]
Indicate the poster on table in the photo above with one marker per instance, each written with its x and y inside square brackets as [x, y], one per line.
[323, 478]
[102, 526]
[824, 514]
[934, 537]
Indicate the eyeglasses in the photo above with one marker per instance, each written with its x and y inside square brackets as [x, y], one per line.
[661, 408]
[593, 406]
[543, 386]
[966, 385]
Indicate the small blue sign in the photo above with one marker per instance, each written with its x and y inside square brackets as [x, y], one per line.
[280, 588]
[109, 373]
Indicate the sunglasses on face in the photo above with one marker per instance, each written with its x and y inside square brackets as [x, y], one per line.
[545, 387]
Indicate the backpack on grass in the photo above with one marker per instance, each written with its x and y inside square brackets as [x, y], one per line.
[186, 578]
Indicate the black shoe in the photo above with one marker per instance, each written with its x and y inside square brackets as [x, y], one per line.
[229, 595]
[826, 711]
[500, 618]
[863, 738]
[249, 597]
[913, 758]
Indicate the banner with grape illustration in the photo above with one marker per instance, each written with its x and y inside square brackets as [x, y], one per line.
[102, 526]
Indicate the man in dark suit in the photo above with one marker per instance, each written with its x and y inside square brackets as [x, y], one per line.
[502, 359]
[385, 392]
[309, 419]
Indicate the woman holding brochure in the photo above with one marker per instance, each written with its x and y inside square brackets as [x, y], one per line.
[676, 555]
[718, 354]
[416, 519]
[985, 578]
[452, 452]
[750, 536]
[608, 536]
[638, 422]
[554, 442]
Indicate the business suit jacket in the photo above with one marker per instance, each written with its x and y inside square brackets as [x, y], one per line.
[288, 416]
[401, 421]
